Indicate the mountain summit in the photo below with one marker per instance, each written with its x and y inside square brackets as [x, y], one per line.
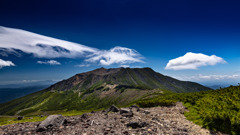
[141, 78]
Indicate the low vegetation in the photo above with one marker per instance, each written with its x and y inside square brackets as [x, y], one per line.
[216, 109]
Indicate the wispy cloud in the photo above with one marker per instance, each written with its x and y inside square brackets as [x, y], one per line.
[218, 77]
[193, 61]
[4, 63]
[209, 77]
[40, 46]
[116, 55]
[83, 65]
[50, 62]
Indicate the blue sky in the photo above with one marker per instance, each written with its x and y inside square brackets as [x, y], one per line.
[158, 30]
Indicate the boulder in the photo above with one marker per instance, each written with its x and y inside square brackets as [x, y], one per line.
[50, 122]
[113, 108]
[124, 110]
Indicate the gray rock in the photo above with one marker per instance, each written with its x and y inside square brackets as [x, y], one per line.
[113, 108]
[124, 110]
[51, 121]
[129, 114]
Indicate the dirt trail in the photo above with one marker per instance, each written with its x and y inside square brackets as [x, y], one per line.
[147, 121]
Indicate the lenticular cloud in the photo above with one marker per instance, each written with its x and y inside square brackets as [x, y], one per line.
[193, 61]
[47, 47]
[39, 45]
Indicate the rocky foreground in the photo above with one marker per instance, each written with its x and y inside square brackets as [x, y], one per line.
[114, 121]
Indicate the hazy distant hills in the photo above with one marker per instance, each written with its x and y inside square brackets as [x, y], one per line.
[98, 89]
[7, 94]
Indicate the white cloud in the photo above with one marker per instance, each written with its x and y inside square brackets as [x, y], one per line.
[4, 63]
[193, 61]
[50, 62]
[39, 45]
[47, 47]
[116, 55]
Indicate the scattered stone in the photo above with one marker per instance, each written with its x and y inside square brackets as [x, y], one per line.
[107, 129]
[135, 125]
[113, 108]
[161, 120]
[135, 106]
[129, 114]
[84, 116]
[146, 112]
[51, 121]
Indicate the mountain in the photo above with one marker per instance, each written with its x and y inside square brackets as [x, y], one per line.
[98, 89]
[142, 78]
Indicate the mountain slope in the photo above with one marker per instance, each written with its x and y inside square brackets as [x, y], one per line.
[98, 89]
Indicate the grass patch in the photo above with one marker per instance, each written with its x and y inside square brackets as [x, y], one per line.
[5, 120]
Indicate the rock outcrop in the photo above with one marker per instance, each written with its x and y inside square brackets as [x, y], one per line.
[50, 122]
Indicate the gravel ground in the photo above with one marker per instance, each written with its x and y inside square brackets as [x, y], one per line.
[146, 121]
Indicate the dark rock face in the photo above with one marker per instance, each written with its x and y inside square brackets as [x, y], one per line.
[113, 108]
[51, 121]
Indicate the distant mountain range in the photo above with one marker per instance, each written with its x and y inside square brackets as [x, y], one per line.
[98, 89]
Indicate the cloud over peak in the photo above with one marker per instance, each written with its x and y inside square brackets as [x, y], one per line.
[4, 63]
[116, 55]
[193, 61]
